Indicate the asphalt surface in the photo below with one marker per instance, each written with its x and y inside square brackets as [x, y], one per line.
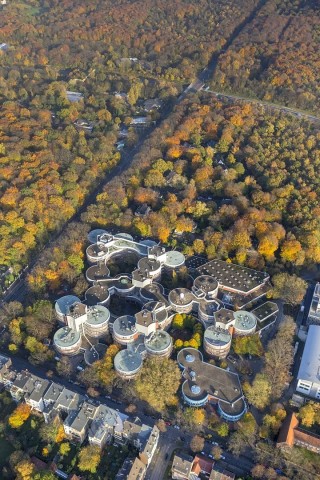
[271, 106]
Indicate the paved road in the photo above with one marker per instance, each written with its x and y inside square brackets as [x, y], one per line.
[270, 106]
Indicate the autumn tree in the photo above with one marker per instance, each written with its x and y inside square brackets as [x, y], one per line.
[157, 383]
[289, 288]
[89, 458]
[197, 443]
[259, 392]
[19, 416]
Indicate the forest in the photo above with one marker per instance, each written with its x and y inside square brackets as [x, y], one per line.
[48, 164]
[223, 180]
[276, 56]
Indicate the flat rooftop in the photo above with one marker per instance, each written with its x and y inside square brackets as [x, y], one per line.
[181, 296]
[98, 272]
[216, 336]
[97, 315]
[310, 362]
[158, 341]
[147, 265]
[174, 258]
[224, 315]
[94, 234]
[66, 337]
[63, 304]
[265, 311]
[125, 325]
[96, 294]
[217, 382]
[127, 361]
[206, 283]
[244, 320]
[152, 311]
[232, 276]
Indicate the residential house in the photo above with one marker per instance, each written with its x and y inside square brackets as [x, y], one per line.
[6, 376]
[219, 473]
[314, 311]
[34, 391]
[17, 389]
[77, 423]
[132, 470]
[201, 465]
[148, 449]
[181, 466]
[102, 426]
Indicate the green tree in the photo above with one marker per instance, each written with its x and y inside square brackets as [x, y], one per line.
[259, 392]
[197, 443]
[157, 383]
[89, 459]
[289, 288]
[64, 448]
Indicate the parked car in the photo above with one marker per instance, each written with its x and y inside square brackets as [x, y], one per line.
[215, 443]
[223, 457]
[231, 359]
[177, 427]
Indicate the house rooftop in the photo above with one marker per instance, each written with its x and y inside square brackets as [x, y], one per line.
[79, 419]
[220, 473]
[36, 388]
[182, 464]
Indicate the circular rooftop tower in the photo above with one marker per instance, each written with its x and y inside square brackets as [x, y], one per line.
[97, 323]
[124, 330]
[181, 300]
[158, 344]
[63, 304]
[127, 364]
[207, 285]
[174, 260]
[216, 342]
[67, 341]
[245, 323]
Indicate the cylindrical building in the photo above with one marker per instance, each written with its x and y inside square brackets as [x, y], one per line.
[206, 310]
[181, 300]
[174, 260]
[127, 364]
[205, 285]
[97, 252]
[151, 292]
[97, 272]
[63, 304]
[158, 344]
[124, 330]
[67, 341]
[245, 323]
[216, 342]
[94, 235]
[150, 267]
[97, 323]
[232, 412]
[97, 294]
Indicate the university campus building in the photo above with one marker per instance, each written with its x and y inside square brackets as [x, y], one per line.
[219, 293]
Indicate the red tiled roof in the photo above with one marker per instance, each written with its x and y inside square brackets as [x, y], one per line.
[202, 464]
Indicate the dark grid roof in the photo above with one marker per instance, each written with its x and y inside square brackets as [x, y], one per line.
[234, 277]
